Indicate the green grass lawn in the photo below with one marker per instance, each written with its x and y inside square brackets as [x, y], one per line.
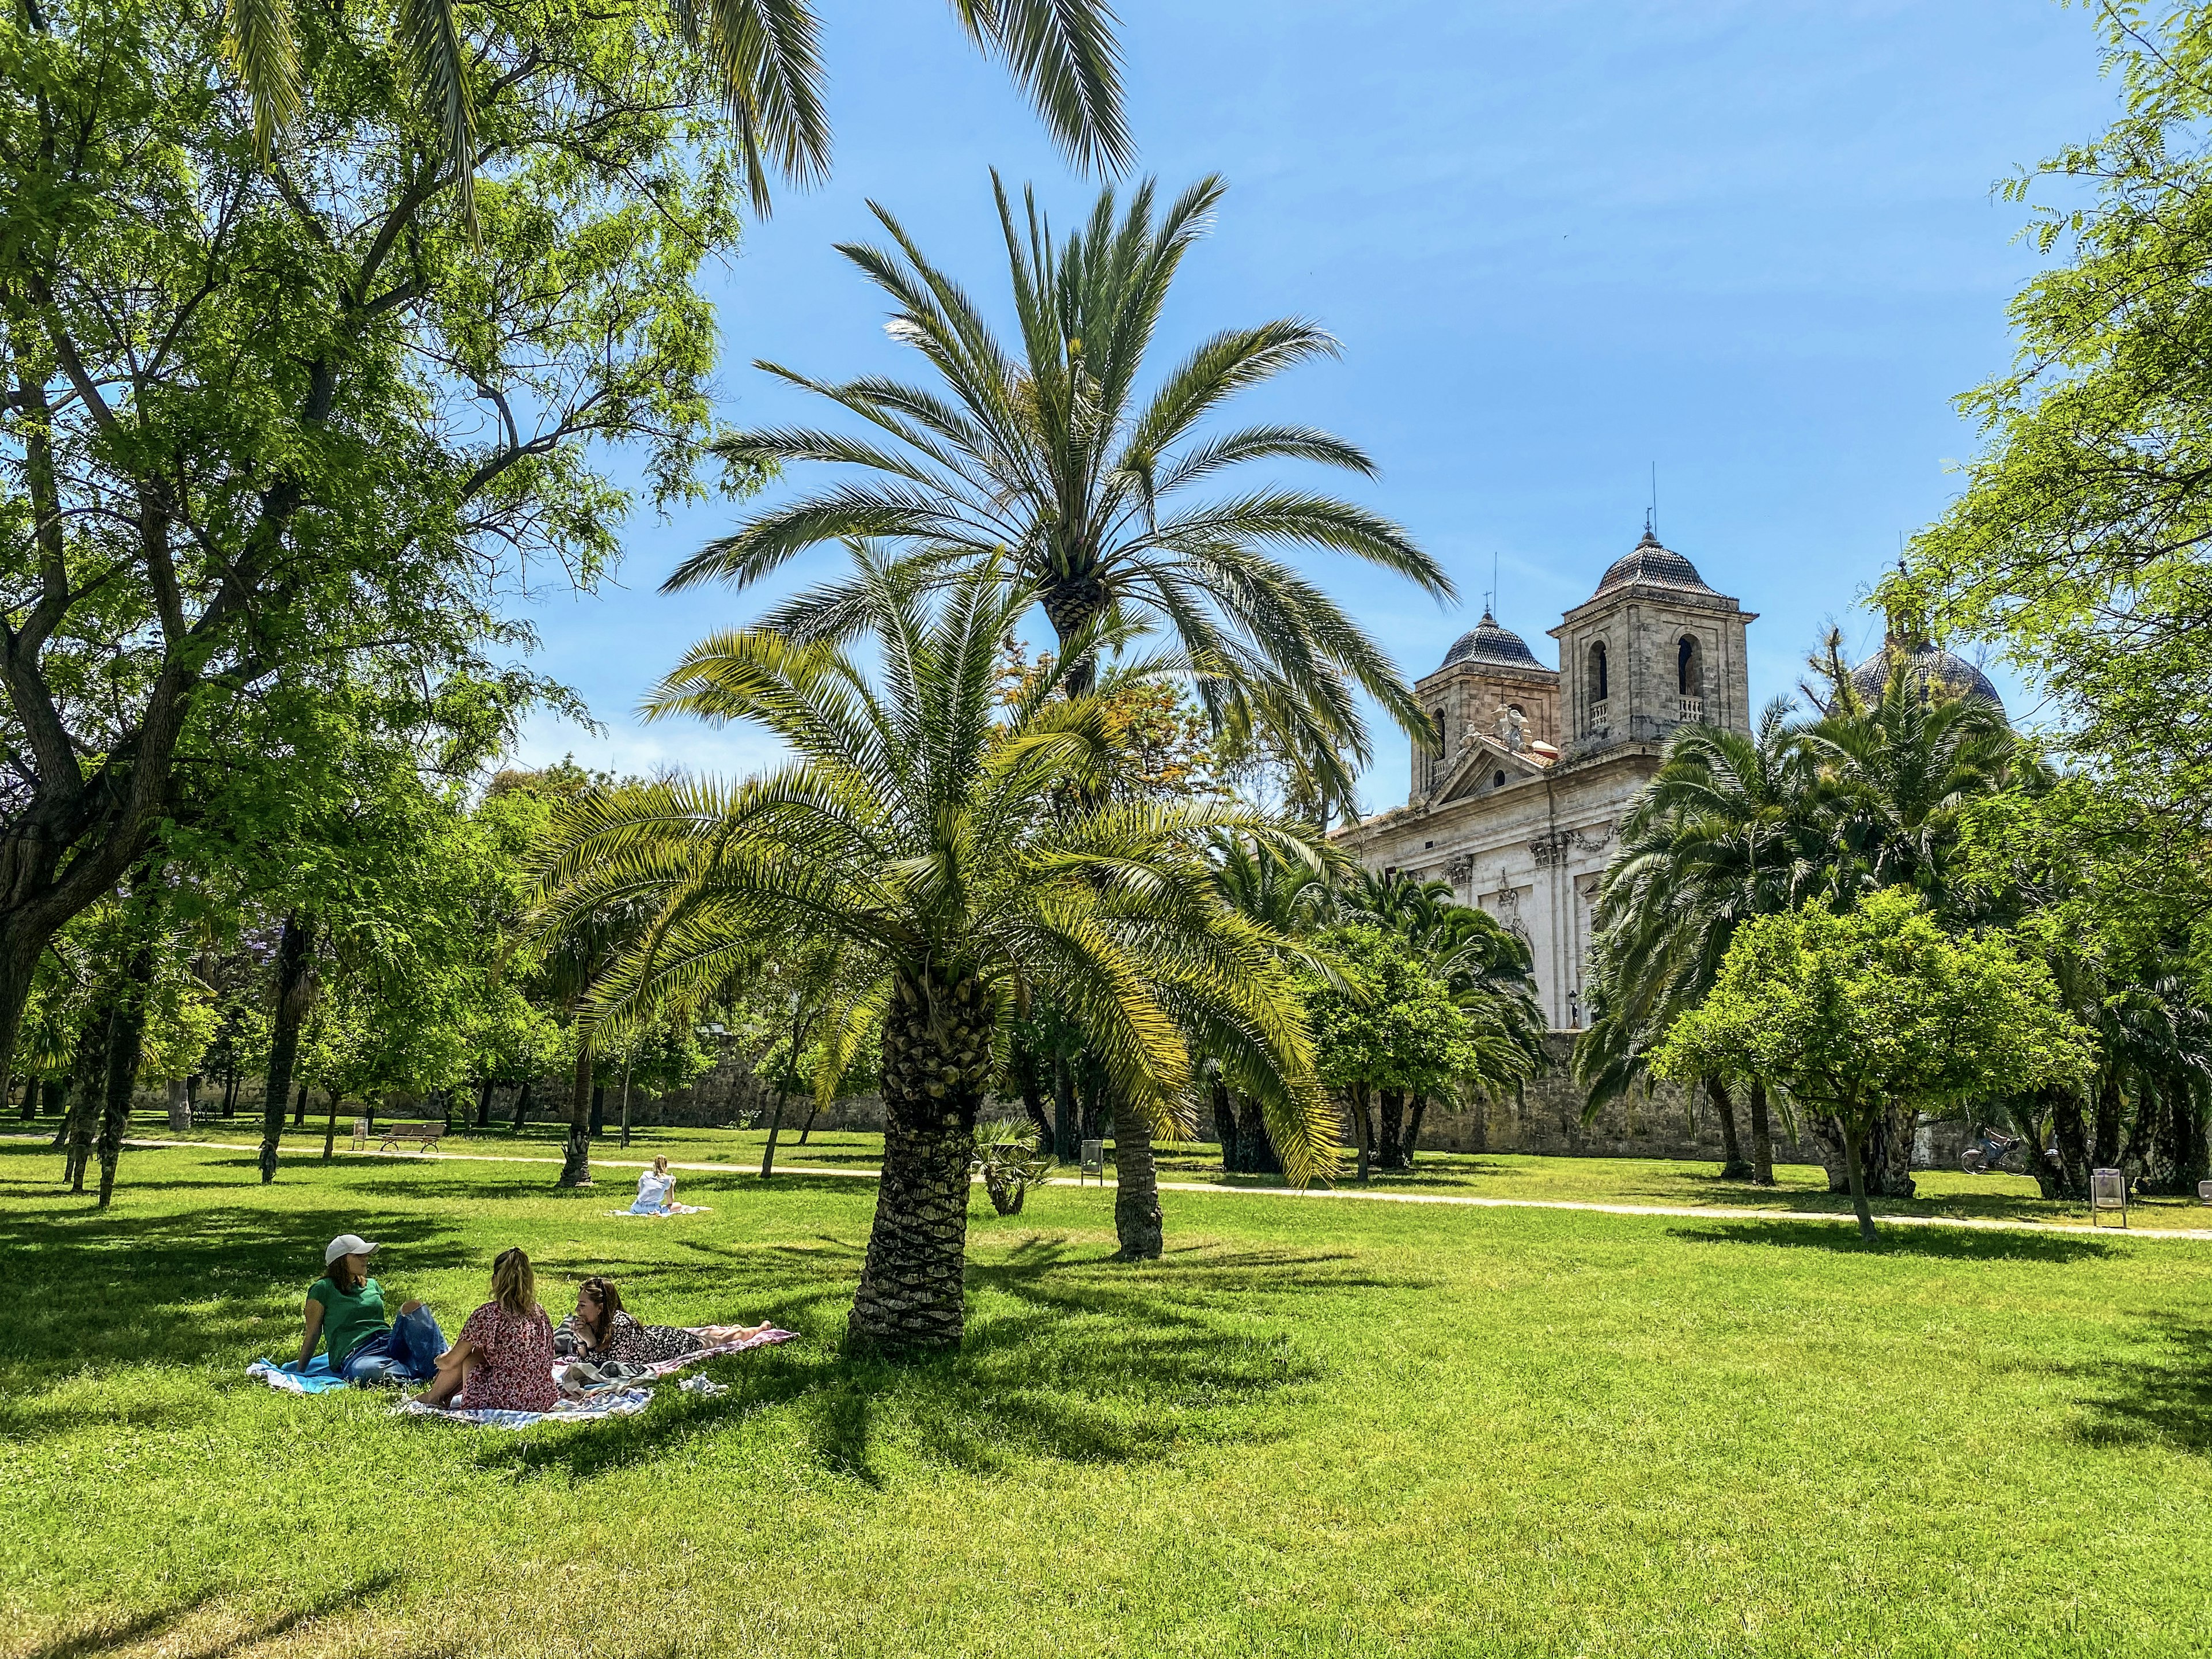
[1331, 1428]
[1800, 1188]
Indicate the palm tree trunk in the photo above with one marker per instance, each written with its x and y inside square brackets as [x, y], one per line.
[126, 1029]
[87, 1073]
[292, 990]
[2067, 1129]
[1031, 1084]
[937, 1059]
[1762, 1137]
[2105, 1154]
[1391, 1153]
[1733, 1167]
[599, 1110]
[576, 1159]
[1063, 1110]
[1255, 1147]
[1137, 1222]
[1224, 1125]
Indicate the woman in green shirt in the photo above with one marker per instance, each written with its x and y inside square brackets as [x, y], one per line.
[345, 1313]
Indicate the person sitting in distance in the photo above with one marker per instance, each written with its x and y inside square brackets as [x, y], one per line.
[656, 1189]
[345, 1313]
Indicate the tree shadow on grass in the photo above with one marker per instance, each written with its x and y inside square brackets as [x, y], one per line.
[145, 1627]
[1947, 1243]
[2163, 1399]
[1069, 1356]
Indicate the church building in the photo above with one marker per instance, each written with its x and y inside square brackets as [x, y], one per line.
[1519, 806]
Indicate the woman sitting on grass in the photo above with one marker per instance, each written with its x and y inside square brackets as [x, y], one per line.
[504, 1360]
[601, 1329]
[345, 1313]
[656, 1190]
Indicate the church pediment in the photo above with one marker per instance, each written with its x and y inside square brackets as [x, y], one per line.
[1479, 766]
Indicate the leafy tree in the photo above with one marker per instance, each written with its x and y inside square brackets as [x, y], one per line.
[1053, 455]
[270, 412]
[1860, 1013]
[2082, 541]
[923, 823]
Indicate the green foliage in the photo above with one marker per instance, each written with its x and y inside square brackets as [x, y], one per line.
[1380, 1018]
[1876, 1007]
[2079, 544]
[1055, 454]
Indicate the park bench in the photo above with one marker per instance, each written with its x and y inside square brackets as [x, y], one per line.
[425, 1136]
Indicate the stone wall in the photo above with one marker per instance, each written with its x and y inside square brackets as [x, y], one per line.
[1548, 1119]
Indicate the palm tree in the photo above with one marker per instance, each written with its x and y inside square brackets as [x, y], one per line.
[1486, 971]
[1051, 455]
[1726, 831]
[945, 837]
[763, 56]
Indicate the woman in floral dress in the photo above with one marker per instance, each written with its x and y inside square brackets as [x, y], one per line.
[504, 1358]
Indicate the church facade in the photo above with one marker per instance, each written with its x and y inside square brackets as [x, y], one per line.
[1519, 806]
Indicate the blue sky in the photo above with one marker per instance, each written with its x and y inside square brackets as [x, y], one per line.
[1752, 244]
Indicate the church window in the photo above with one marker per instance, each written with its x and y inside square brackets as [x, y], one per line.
[1499, 781]
[1597, 672]
[1689, 672]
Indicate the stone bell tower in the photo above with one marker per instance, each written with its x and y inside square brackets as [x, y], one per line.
[1652, 649]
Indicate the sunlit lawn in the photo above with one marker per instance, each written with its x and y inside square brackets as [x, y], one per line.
[1799, 1187]
[1315, 1428]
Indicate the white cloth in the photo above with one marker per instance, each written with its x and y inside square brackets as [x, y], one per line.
[653, 1193]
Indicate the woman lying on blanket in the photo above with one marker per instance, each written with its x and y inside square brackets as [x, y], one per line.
[504, 1359]
[345, 1313]
[600, 1329]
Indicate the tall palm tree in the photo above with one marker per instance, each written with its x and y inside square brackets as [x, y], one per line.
[946, 837]
[1727, 829]
[763, 56]
[1052, 454]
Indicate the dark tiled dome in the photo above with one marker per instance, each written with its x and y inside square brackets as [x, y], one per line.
[1929, 665]
[1487, 642]
[1648, 561]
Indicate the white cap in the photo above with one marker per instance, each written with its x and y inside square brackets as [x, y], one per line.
[346, 1244]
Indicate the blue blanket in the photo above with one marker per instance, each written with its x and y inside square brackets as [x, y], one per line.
[316, 1377]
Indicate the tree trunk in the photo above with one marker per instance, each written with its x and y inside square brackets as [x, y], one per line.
[599, 1110]
[1224, 1125]
[484, 1087]
[2072, 1139]
[1856, 1178]
[775, 1128]
[1136, 1186]
[522, 1106]
[1089, 1086]
[293, 989]
[126, 1030]
[2105, 1153]
[625, 1105]
[331, 1129]
[1362, 1127]
[1416, 1109]
[54, 1096]
[814, 1110]
[1064, 1137]
[30, 1107]
[1762, 1138]
[1255, 1147]
[88, 1073]
[1733, 1167]
[180, 1106]
[1391, 1153]
[1885, 1153]
[936, 1060]
[576, 1158]
[300, 1108]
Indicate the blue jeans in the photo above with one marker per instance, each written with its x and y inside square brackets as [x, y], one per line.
[407, 1353]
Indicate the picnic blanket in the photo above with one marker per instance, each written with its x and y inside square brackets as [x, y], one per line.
[316, 1377]
[672, 1209]
[585, 1407]
[577, 1408]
